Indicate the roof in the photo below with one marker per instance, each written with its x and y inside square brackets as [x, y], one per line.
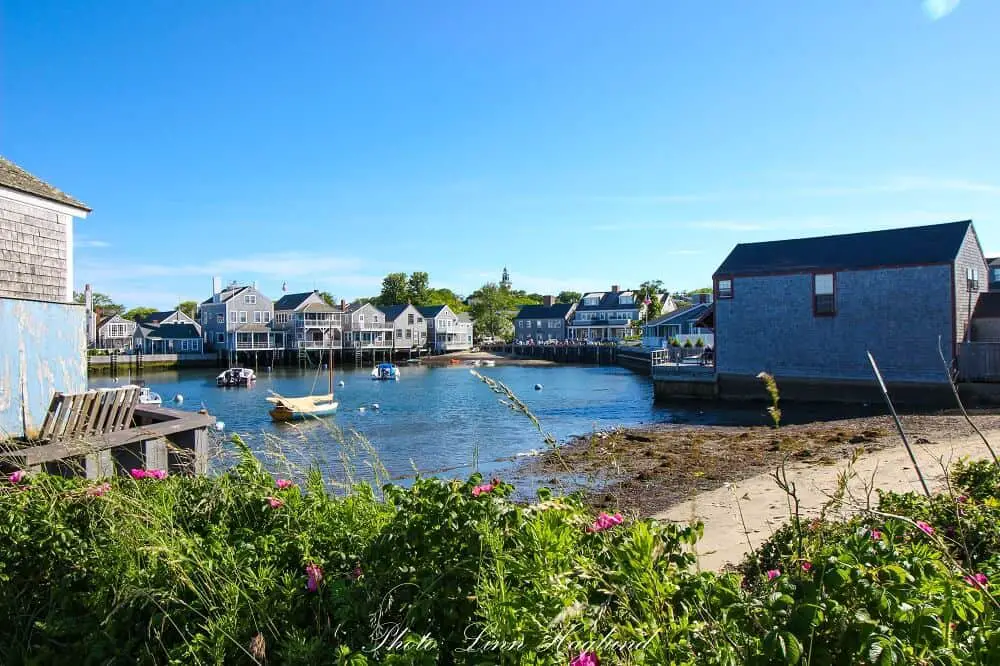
[393, 311]
[988, 306]
[105, 320]
[16, 178]
[557, 311]
[226, 294]
[154, 317]
[254, 328]
[320, 307]
[171, 331]
[609, 300]
[909, 246]
[682, 316]
[994, 262]
[292, 301]
[431, 311]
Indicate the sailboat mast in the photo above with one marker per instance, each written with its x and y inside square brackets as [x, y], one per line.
[331, 359]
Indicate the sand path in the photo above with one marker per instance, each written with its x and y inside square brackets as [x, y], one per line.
[765, 507]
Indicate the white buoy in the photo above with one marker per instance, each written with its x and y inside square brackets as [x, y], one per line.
[178, 398]
[375, 406]
[538, 387]
[361, 409]
[340, 383]
[220, 426]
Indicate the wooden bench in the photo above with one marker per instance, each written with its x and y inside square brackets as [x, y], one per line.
[107, 431]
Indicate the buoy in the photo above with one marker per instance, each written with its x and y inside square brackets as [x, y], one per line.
[361, 409]
[340, 383]
[375, 406]
[220, 426]
[178, 398]
[538, 387]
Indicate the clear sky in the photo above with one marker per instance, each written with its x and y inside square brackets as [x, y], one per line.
[579, 142]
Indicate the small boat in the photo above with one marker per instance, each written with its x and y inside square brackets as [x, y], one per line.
[489, 364]
[385, 371]
[297, 409]
[236, 377]
[146, 397]
[413, 361]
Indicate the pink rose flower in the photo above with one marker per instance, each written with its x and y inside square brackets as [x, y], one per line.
[807, 566]
[604, 521]
[137, 473]
[284, 483]
[314, 576]
[773, 573]
[876, 535]
[482, 490]
[158, 474]
[925, 528]
[977, 580]
[18, 476]
[275, 502]
[586, 659]
[98, 491]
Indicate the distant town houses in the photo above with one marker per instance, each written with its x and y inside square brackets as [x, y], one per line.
[238, 317]
[115, 333]
[611, 315]
[309, 322]
[543, 323]
[447, 331]
[409, 329]
[168, 332]
[691, 324]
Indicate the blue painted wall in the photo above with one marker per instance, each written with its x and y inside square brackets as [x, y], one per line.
[898, 314]
[42, 350]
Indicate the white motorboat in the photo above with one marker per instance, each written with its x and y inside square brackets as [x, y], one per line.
[146, 396]
[385, 371]
[236, 377]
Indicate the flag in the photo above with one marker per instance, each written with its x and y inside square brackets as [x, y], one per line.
[647, 301]
[284, 286]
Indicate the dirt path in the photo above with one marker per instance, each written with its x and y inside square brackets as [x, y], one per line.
[764, 506]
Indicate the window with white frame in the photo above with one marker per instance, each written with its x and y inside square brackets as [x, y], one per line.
[409, 319]
[258, 317]
[282, 317]
[725, 288]
[220, 319]
[243, 316]
[232, 316]
[250, 299]
[824, 296]
[996, 275]
[591, 300]
[626, 299]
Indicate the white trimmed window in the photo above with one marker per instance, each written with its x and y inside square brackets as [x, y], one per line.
[824, 294]
[250, 299]
[232, 317]
[725, 288]
[258, 317]
[243, 316]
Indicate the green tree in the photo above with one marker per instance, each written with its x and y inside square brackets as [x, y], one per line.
[446, 297]
[418, 288]
[703, 290]
[651, 289]
[137, 313]
[394, 289]
[101, 301]
[569, 297]
[190, 308]
[328, 298]
[493, 311]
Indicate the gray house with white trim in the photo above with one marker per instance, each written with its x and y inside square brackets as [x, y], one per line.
[541, 323]
[308, 321]
[807, 310]
[408, 326]
[238, 318]
[446, 330]
[115, 332]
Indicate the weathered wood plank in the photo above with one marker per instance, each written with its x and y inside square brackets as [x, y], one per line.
[94, 412]
[107, 401]
[88, 405]
[126, 421]
[116, 407]
[65, 414]
[73, 422]
[50, 418]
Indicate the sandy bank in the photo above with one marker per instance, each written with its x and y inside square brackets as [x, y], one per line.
[465, 357]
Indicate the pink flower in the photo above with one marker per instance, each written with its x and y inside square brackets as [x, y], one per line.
[876, 535]
[925, 528]
[18, 476]
[284, 483]
[357, 573]
[773, 573]
[807, 566]
[98, 491]
[483, 489]
[314, 576]
[275, 502]
[137, 473]
[962, 499]
[158, 474]
[604, 521]
[977, 580]
[586, 659]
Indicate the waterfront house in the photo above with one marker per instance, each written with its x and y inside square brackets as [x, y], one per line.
[611, 315]
[682, 325]
[238, 318]
[43, 333]
[172, 338]
[365, 327]
[808, 309]
[446, 330]
[165, 317]
[994, 265]
[308, 321]
[115, 332]
[540, 323]
[408, 326]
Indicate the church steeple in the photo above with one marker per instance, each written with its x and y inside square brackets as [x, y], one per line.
[505, 280]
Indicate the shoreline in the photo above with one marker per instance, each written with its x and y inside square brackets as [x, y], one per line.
[463, 358]
[684, 472]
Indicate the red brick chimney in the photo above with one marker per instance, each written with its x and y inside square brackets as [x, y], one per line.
[548, 301]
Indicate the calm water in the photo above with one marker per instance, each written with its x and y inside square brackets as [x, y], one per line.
[432, 419]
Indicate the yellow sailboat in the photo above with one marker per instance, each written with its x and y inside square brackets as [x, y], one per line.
[296, 409]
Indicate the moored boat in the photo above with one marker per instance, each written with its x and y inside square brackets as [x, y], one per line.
[385, 371]
[146, 396]
[296, 409]
[236, 377]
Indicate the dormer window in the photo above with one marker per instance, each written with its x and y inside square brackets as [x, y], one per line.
[591, 300]
[626, 299]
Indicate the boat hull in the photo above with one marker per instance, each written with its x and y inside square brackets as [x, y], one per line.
[282, 413]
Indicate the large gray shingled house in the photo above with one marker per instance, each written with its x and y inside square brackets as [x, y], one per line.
[807, 310]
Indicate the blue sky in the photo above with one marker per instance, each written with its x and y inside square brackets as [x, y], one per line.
[579, 142]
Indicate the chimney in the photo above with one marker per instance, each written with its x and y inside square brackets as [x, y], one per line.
[88, 302]
[216, 288]
[614, 289]
[343, 305]
[549, 301]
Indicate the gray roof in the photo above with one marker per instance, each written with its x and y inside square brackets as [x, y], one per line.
[557, 311]
[226, 294]
[171, 331]
[683, 315]
[154, 317]
[910, 246]
[431, 311]
[393, 311]
[320, 307]
[16, 178]
[988, 306]
[994, 262]
[609, 300]
[292, 301]
[254, 328]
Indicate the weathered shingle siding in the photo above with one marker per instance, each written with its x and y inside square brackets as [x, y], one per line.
[896, 313]
[33, 252]
[970, 256]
